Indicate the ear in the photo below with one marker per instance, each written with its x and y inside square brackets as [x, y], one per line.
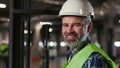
[90, 26]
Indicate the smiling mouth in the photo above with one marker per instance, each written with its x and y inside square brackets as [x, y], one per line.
[71, 38]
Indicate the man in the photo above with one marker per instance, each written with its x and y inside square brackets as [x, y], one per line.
[76, 26]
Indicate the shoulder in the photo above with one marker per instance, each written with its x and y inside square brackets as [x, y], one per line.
[96, 60]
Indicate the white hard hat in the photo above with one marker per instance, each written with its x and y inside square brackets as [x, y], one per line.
[77, 8]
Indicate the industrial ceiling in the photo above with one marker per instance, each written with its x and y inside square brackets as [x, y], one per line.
[102, 8]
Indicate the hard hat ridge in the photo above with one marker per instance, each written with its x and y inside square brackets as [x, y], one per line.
[77, 8]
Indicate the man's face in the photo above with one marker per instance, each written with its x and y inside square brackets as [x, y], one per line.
[72, 28]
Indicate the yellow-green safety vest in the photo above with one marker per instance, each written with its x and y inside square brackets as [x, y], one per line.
[79, 59]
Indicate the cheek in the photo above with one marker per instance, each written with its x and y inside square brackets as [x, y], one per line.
[79, 31]
[63, 31]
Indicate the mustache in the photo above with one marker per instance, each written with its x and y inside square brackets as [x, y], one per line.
[71, 34]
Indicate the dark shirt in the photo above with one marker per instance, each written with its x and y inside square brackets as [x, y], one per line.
[96, 60]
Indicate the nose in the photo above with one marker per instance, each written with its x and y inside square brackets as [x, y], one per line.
[70, 29]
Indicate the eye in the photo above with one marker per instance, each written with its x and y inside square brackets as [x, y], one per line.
[78, 24]
[65, 25]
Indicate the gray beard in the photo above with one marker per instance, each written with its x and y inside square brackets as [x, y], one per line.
[74, 44]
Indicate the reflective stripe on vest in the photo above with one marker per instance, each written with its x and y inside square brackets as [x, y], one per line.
[79, 59]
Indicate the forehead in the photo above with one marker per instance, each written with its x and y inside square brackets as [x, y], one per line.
[72, 18]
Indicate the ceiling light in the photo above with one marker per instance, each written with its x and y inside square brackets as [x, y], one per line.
[50, 29]
[63, 44]
[117, 43]
[2, 5]
[101, 12]
[45, 23]
[41, 45]
[52, 44]
[25, 31]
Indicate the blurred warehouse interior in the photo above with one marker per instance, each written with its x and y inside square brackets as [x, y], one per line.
[106, 31]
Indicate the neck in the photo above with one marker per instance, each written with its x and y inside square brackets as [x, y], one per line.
[72, 49]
